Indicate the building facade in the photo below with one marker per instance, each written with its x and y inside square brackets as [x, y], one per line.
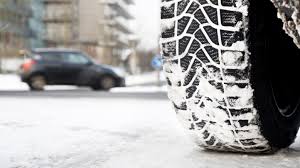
[114, 37]
[99, 27]
[61, 23]
[89, 17]
[14, 26]
[36, 25]
[105, 31]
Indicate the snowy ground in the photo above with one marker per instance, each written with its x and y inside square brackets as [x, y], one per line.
[109, 133]
[145, 79]
[136, 83]
[106, 130]
[13, 82]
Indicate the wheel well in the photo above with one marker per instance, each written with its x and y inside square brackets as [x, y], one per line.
[108, 75]
[95, 79]
[274, 59]
[39, 74]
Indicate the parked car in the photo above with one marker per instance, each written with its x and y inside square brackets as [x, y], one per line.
[68, 67]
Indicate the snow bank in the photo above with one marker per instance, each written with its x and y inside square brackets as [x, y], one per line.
[144, 79]
[11, 65]
[143, 89]
[12, 82]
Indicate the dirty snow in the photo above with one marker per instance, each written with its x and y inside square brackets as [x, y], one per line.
[110, 133]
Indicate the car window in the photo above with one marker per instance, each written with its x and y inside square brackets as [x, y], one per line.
[50, 56]
[75, 58]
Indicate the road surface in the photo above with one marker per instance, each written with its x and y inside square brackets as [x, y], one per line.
[85, 129]
[84, 93]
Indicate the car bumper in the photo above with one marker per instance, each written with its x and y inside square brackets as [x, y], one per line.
[24, 76]
[121, 82]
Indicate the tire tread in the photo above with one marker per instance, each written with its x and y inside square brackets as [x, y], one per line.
[207, 66]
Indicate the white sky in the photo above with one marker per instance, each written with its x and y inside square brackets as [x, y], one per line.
[147, 14]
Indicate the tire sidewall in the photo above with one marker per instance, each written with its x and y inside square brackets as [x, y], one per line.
[278, 129]
[34, 88]
[99, 84]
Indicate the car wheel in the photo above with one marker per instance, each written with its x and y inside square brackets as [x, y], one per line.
[37, 82]
[107, 82]
[231, 72]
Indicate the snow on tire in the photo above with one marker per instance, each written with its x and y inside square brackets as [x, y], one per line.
[206, 62]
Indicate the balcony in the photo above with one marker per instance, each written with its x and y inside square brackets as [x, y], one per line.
[123, 28]
[129, 2]
[122, 40]
[119, 25]
[57, 39]
[21, 9]
[58, 1]
[111, 41]
[104, 43]
[62, 18]
[120, 7]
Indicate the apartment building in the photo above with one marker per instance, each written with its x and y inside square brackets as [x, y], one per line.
[14, 26]
[36, 25]
[61, 23]
[108, 35]
[99, 27]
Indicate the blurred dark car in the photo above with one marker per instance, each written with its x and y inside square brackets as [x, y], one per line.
[68, 67]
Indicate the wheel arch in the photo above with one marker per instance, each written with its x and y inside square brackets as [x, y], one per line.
[39, 73]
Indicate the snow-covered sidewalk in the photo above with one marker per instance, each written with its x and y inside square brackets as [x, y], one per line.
[149, 78]
[13, 82]
[110, 133]
[136, 83]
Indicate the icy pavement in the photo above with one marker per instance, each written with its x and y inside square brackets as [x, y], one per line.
[109, 133]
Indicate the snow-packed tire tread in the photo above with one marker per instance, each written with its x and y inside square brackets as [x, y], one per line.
[207, 66]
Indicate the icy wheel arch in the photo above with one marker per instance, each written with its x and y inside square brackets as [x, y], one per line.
[288, 12]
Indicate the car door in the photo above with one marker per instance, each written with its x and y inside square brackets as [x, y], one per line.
[75, 64]
[53, 66]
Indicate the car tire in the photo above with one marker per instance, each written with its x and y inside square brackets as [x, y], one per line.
[229, 80]
[105, 83]
[37, 83]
